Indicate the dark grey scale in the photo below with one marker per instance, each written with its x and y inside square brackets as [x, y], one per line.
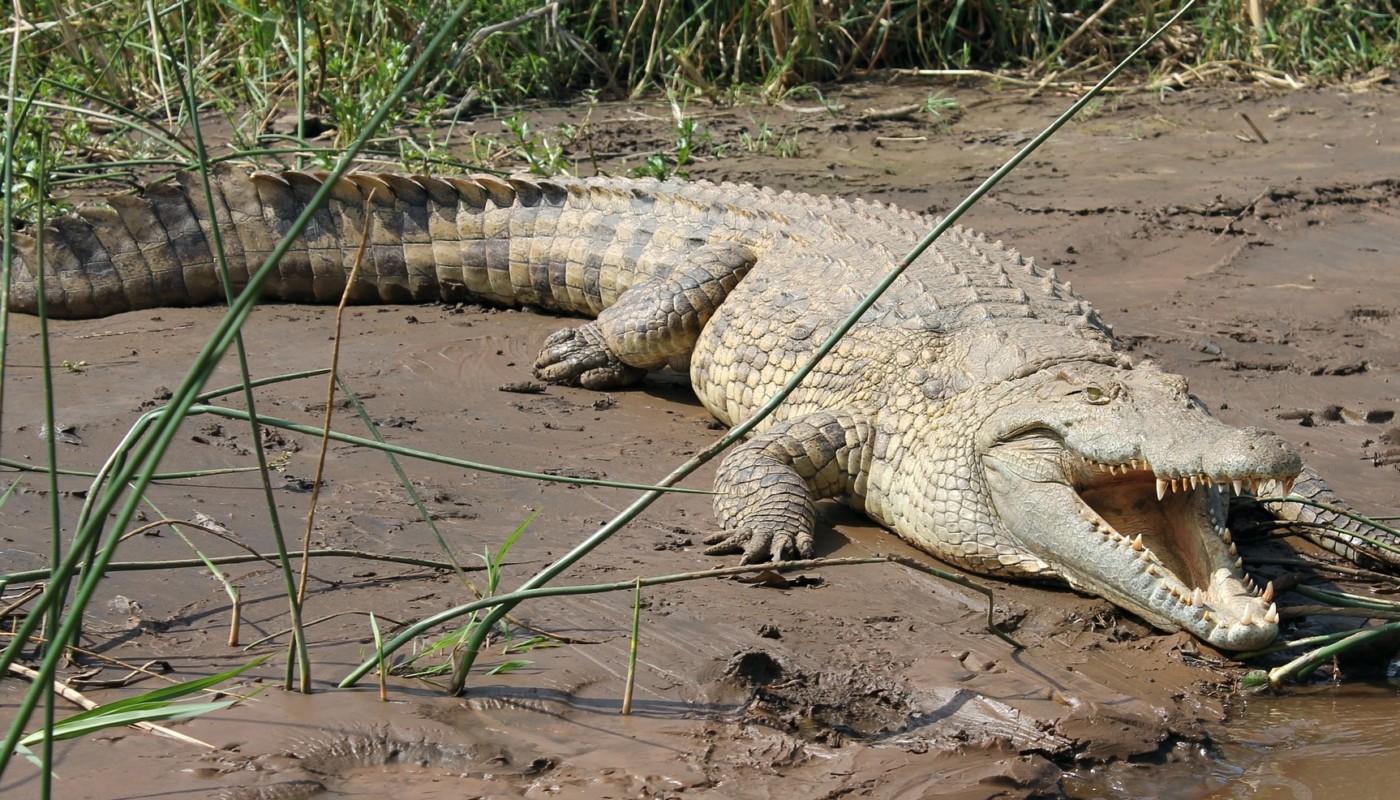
[92, 264]
[383, 274]
[64, 271]
[279, 209]
[416, 281]
[219, 219]
[167, 277]
[431, 281]
[187, 243]
[324, 238]
[124, 254]
[245, 212]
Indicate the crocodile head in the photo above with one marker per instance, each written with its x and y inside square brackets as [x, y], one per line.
[1117, 479]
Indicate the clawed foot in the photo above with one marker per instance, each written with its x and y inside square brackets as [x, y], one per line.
[579, 356]
[760, 546]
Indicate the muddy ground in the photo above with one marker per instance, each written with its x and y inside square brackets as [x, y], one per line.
[1261, 269]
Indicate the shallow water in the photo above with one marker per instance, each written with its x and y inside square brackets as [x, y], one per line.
[1338, 741]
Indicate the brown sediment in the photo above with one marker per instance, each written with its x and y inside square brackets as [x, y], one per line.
[1261, 272]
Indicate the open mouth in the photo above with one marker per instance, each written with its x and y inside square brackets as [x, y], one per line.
[1152, 541]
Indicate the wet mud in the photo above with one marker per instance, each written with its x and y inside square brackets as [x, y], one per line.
[1263, 271]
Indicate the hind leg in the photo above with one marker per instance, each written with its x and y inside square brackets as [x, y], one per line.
[653, 324]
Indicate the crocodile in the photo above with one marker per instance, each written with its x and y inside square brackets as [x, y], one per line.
[981, 409]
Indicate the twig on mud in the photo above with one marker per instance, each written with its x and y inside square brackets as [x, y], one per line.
[212, 531]
[999, 77]
[78, 698]
[1248, 207]
[133, 675]
[888, 114]
[20, 466]
[24, 597]
[270, 558]
[1257, 133]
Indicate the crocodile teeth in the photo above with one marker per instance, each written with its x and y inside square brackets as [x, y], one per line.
[1137, 543]
[1271, 616]
[1268, 595]
[1198, 597]
[1152, 570]
[1286, 486]
[1193, 481]
[1239, 486]
[1225, 535]
[1133, 462]
[1239, 563]
[1161, 488]
[1247, 618]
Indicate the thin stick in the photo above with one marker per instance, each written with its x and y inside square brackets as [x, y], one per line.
[422, 455]
[1355, 572]
[235, 617]
[1258, 133]
[24, 597]
[78, 698]
[368, 216]
[632, 652]
[271, 558]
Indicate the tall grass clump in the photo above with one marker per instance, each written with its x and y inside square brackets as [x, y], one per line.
[258, 60]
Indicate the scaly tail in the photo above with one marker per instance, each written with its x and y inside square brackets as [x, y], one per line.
[1354, 538]
[503, 241]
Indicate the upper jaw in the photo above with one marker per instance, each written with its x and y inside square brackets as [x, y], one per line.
[1152, 540]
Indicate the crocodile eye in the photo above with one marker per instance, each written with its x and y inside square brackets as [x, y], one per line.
[1096, 395]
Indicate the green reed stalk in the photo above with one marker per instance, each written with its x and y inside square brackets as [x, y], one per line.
[53, 612]
[423, 455]
[7, 203]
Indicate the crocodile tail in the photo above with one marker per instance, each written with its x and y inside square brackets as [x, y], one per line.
[1332, 523]
[428, 239]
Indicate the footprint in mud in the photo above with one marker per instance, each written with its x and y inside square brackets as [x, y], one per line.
[826, 707]
[359, 760]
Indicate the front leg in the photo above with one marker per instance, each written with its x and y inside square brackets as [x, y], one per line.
[769, 485]
[653, 324]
